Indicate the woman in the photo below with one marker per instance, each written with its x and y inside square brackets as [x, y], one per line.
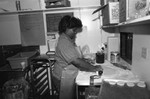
[68, 58]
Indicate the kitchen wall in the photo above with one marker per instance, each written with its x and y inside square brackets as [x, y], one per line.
[141, 66]
[140, 62]
[91, 35]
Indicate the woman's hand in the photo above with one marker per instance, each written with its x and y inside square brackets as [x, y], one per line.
[90, 61]
[98, 68]
[95, 68]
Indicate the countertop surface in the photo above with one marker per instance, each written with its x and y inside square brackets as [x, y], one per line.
[110, 73]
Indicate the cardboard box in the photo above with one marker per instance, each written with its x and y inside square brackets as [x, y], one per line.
[16, 60]
[132, 9]
[123, 10]
[104, 2]
[57, 3]
[111, 13]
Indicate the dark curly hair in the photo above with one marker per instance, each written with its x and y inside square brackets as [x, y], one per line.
[68, 22]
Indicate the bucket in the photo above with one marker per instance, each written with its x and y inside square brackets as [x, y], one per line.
[16, 89]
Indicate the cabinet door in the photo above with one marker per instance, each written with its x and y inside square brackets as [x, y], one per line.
[32, 29]
[30, 4]
[8, 5]
[9, 30]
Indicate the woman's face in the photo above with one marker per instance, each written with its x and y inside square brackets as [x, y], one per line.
[78, 30]
[74, 32]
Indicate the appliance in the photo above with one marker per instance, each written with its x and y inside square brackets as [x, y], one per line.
[112, 45]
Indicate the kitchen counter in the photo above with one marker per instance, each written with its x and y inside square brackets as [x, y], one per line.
[110, 73]
[114, 83]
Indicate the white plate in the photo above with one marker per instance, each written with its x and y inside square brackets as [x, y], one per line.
[141, 84]
[112, 82]
[130, 84]
[120, 83]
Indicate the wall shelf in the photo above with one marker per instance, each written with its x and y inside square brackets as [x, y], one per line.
[140, 24]
[138, 21]
[49, 10]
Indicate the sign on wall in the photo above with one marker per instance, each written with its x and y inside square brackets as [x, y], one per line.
[52, 20]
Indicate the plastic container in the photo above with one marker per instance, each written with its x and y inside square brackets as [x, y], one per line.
[16, 60]
[16, 89]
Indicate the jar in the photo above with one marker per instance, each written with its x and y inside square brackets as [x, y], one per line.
[114, 57]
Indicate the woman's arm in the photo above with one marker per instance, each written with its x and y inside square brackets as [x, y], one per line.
[85, 66]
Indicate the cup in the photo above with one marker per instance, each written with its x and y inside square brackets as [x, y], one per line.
[100, 72]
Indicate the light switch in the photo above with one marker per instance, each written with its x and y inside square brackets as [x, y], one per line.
[144, 52]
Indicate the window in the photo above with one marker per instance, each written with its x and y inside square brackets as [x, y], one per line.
[126, 40]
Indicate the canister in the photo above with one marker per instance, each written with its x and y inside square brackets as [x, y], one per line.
[114, 57]
[100, 57]
[92, 79]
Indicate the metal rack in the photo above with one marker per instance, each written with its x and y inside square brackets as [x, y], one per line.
[39, 78]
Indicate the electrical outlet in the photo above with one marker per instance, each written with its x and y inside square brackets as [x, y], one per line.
[144, 53]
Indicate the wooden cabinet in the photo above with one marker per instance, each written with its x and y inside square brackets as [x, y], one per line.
[9, 30]
[30, 4]
[16, 28]
[32, 29]
[10, 5]
[25, 29]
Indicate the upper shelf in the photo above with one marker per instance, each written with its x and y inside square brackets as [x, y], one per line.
[49, 10]
[138, 21]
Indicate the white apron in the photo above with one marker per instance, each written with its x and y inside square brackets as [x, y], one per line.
[67, 85]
